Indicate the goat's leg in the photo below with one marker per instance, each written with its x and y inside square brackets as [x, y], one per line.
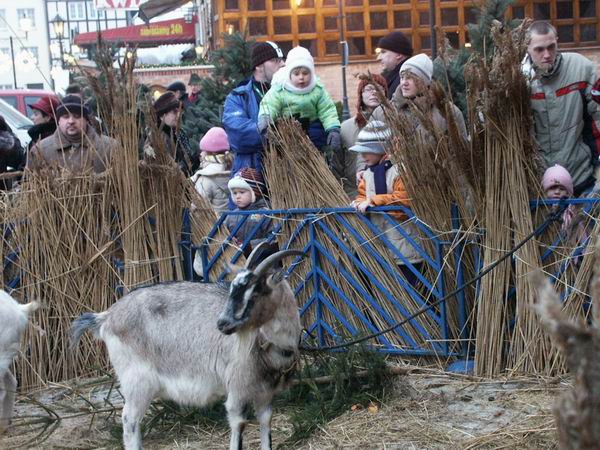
[237, 420]
[264, 414]
[8, 388]
[136, 404]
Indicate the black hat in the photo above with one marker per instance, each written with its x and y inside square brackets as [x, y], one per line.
[176, 86]
[165, 103]
[195, 80]
[264, 51]
[396, 42]
[72, 104]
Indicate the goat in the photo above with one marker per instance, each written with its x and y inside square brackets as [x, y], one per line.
[13, 321]
[193, 343]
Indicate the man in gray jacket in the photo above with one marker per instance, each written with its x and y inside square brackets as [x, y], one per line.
[566, 119]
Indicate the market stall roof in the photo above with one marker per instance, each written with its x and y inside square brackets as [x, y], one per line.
[175, 31]
[154, 8]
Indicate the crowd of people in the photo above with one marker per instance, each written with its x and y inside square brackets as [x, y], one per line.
[226, 165]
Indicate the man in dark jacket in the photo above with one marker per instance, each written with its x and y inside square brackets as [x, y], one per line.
[43, 117]
[240, 113]
[167, 108]
[394, 49]
[11, 153]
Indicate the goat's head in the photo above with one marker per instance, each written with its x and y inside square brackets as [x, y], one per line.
[249, 287]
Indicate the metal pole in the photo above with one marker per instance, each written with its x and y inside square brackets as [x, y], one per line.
[432, 29]
[344, 50]
[12, 57]
[62, 56]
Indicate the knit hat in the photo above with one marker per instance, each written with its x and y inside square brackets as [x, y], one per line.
[248, 179]
[300, 57]
[176, 86]
[558, 176]
[264, 51]
[396, 42]
[165, 103]
[194, 80]
[361, 120]
[371, 138]
[46, 104]
[419, 65]
[72, 104]
[214, 141]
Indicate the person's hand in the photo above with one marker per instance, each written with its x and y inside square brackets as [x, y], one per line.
[362, 206]
[334, 139]
[359, 176]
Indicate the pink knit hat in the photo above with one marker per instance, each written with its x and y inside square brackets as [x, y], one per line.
[557, 175]
[214, 141]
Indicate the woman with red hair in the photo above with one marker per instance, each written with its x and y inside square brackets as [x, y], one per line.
[346, 165]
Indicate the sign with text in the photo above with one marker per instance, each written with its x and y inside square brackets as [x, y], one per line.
[103, 5]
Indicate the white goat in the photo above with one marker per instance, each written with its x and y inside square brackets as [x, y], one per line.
[13, 321]
[194, 343]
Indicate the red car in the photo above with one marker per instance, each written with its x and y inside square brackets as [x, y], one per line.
[20, 99]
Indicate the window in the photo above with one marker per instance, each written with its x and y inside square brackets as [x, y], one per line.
[33, 51]
[28, 13]
[76, 10]
[2, 19]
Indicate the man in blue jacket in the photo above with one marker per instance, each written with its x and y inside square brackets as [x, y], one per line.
[240, 114]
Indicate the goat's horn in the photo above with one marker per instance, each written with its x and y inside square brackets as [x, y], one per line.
[262, 268]
[256, 251]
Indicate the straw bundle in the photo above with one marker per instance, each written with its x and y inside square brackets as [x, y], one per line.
[298, 177]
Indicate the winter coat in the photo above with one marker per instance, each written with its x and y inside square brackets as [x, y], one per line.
[314, 105]
[346, 164]
[41, 131]
[232, 221]
[566, 119]
[11, 153]
[94, 152]
[179, 147]
[211, 184]
[240, 118]
[396, 195]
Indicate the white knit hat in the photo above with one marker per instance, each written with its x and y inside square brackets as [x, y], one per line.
[371, 138]
[419, 65]
[299, 57]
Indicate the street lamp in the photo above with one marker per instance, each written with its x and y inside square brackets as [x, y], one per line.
[58, 24]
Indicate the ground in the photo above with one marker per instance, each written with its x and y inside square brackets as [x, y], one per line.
[427, 409]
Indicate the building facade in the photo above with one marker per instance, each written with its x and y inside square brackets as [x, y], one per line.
[24, 58]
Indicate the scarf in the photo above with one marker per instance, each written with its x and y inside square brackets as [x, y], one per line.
[77, 140]
[379, 171]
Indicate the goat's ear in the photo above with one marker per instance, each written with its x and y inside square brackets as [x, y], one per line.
[234, 268]
[275, 278]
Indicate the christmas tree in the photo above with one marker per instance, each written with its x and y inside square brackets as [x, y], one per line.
[449, 67]
[232, 65]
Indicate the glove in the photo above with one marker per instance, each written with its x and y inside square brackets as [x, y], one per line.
[334, 140]
[263, 124]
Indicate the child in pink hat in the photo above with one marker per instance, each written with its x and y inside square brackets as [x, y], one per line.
[557, 184]
[215, 168]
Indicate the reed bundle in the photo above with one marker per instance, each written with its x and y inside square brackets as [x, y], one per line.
[298, 177]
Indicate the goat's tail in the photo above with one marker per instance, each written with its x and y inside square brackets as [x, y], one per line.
[87, 321]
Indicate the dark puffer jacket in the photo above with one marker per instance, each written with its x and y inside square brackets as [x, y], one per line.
[11, 152]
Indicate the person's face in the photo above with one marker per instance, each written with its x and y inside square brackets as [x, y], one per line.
[542, 50]
[372, 158]
[267, 69]
[557, 192]
[408, 86]
[170, 119]
[39, 117]
[370, 99]
[72, 124]
[300, 77]
[195, 89]
[241, 197]
[389, 59]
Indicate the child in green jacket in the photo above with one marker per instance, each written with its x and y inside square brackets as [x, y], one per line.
[296, 92]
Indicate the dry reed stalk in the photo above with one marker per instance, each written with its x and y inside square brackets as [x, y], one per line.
[298, 177]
